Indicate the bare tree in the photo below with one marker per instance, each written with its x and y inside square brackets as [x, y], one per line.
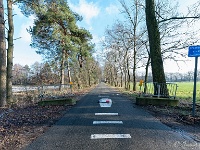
[176, 34]
[10, 50]
[134, 18]
[17, 73]
[119, 44]
[2, 57]
[154, 40]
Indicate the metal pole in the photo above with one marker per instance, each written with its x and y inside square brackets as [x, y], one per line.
[194, 90]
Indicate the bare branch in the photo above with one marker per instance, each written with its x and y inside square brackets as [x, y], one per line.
[177, 18]
[17, 38]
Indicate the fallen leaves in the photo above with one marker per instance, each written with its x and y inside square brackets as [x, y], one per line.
[20, 126]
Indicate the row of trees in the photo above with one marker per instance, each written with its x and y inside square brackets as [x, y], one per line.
[46, 74]
[66, 48]
[151, 33]
[171, 77]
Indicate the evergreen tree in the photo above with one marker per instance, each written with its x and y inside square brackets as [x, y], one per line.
[57, 36]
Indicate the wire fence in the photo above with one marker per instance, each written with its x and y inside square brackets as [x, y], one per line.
[159, 89]
[54, 91]
[23, 95]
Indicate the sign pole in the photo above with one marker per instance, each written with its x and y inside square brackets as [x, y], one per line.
[194, 51]
[194, 90]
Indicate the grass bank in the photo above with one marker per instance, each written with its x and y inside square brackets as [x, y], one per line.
[185, 91]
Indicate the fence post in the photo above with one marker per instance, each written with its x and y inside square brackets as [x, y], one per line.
[158, 90]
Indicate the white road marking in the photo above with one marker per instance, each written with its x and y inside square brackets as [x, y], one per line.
[106, 114]
[107, 122]
[102, 96]
[105, 102]
[110, 136]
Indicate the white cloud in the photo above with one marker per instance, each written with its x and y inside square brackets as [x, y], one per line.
[112, 9]
[99, 52]
[26, 56]
[17, 11]
[88, 10]
[25, 36]
[96, 39]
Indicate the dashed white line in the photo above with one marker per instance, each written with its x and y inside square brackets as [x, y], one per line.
[103, 96]
[105, 104]
[106, 114]
[110, 136]
[107, 122]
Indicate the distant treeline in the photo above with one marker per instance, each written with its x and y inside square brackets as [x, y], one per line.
[46, 74]
[173, 77]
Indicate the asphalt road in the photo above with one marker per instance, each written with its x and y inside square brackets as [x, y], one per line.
[132, 129]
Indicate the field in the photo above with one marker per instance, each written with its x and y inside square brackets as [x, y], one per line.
[185, 91]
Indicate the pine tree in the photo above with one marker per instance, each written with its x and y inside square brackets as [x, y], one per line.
[57, 36]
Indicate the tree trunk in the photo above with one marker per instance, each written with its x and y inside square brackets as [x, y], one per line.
[128, 75]
[134, 80]
[125, 81]
[111, 77]
[62, 70]
[89, 78]
[2, 57]
[155, 48]
[79, 78]
[68, 72]
[134, 47]
[121, 78]
[10, 51]
[146, 74]
[134, 65]
[116, 77]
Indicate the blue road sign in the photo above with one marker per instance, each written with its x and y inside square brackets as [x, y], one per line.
[194, 51]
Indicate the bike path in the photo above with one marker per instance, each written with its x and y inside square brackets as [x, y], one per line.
[87, 126]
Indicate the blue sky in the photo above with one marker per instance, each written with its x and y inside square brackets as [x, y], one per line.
[97, 15]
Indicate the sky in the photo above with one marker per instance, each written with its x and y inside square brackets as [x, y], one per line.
[97, 16]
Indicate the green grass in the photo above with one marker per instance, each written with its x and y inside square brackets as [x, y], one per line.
[185, 90]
